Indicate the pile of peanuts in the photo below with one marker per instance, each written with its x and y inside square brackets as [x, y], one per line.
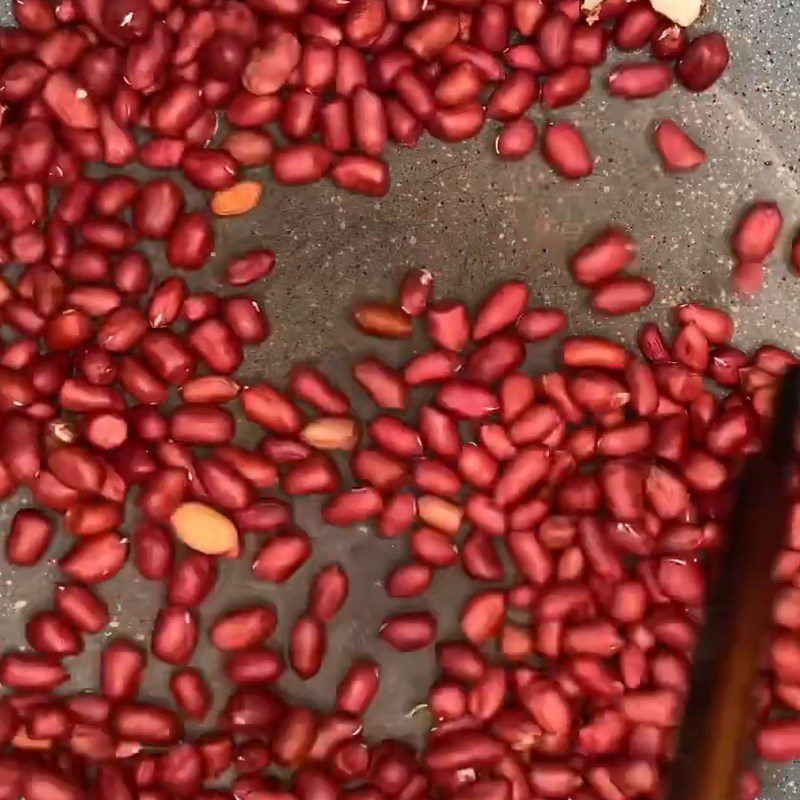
[585, 502]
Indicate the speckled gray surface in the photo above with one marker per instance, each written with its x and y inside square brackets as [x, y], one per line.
[475, 221]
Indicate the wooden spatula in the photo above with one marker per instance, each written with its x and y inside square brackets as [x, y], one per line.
[718, 722]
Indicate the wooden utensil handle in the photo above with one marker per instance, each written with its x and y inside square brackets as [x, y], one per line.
[719, 712]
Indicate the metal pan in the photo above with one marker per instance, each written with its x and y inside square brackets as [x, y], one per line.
[475, 221]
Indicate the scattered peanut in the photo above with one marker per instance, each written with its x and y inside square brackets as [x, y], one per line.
[204, 529]
[383, 320]
[682, 12]
[331, 433]
[439, 513]
[239, 199]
